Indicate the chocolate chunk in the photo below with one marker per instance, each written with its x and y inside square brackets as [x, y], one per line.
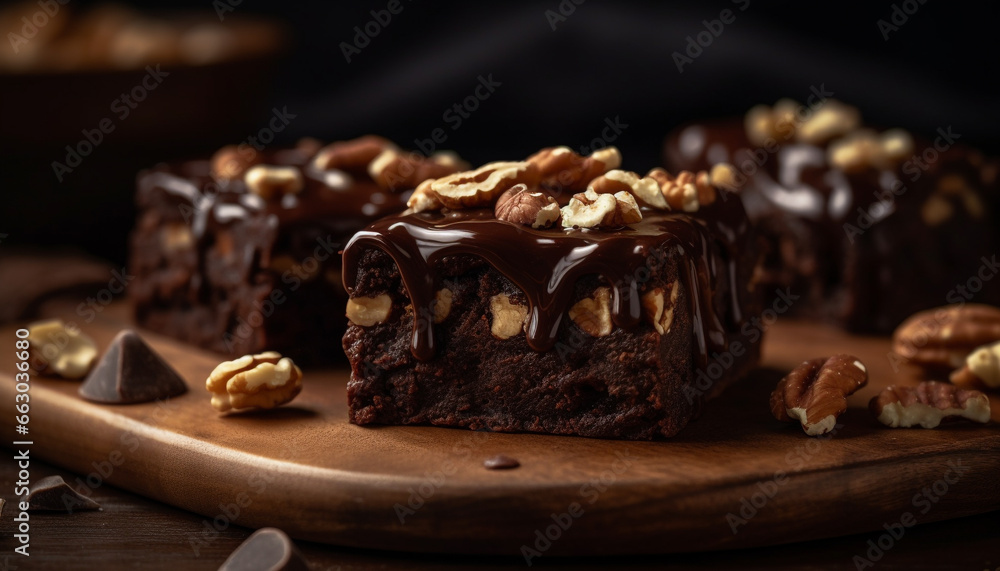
[131, 372]
[53, 494]
[3, 502]
[500, 462]
[268, 549]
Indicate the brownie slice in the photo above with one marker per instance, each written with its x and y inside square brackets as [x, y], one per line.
[241, 253]
[493, 316]
[865, 227]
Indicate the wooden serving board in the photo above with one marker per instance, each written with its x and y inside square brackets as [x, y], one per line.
[305, 469]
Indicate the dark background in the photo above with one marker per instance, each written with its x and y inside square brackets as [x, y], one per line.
[606, 61]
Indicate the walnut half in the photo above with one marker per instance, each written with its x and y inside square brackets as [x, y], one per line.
[518, 205]
[265, 380]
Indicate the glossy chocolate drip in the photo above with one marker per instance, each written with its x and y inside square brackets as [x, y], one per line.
[546, 264]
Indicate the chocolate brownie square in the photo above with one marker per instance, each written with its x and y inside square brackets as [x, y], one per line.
[241, 253]
[489, 306]
[866, 227]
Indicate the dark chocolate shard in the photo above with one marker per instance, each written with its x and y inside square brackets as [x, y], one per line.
[500, 462]
[131, 372]
[268, 549]
[53, 494]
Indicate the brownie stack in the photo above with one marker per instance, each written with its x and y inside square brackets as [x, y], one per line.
[240, 253]
[488, 306]
[864, 227]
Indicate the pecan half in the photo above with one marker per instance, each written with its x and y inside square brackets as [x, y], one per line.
[815, 393]
[940, 339]
[928, 404]
[518, 205]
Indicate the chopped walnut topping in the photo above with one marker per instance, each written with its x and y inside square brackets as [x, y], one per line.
[562, 169]
[591, 210]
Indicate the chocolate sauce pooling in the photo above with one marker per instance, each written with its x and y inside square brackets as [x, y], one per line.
[545, 264]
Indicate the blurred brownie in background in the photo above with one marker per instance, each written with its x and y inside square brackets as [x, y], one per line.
[865, 227]
[241, 253]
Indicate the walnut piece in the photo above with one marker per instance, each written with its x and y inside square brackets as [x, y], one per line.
[561, 169]
[520, 206]
[928, 404]
[508, 317]
[442, 304]
[396, 171]
[981, 370]
[940, 339]
[815, 393]
[658, 307]
[265, 380]
[593, 314]
[60, 350]
[482, 186]
[591, 210]
[688, 192]
[230, 163]
[864, 149]
[268, 182]
[354, 155]
[646, 190]
[423, 199]
[368, 311]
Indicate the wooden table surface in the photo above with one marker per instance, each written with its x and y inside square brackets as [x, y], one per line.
[132, 532]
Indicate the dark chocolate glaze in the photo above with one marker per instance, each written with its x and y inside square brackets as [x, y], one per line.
[545, 264]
